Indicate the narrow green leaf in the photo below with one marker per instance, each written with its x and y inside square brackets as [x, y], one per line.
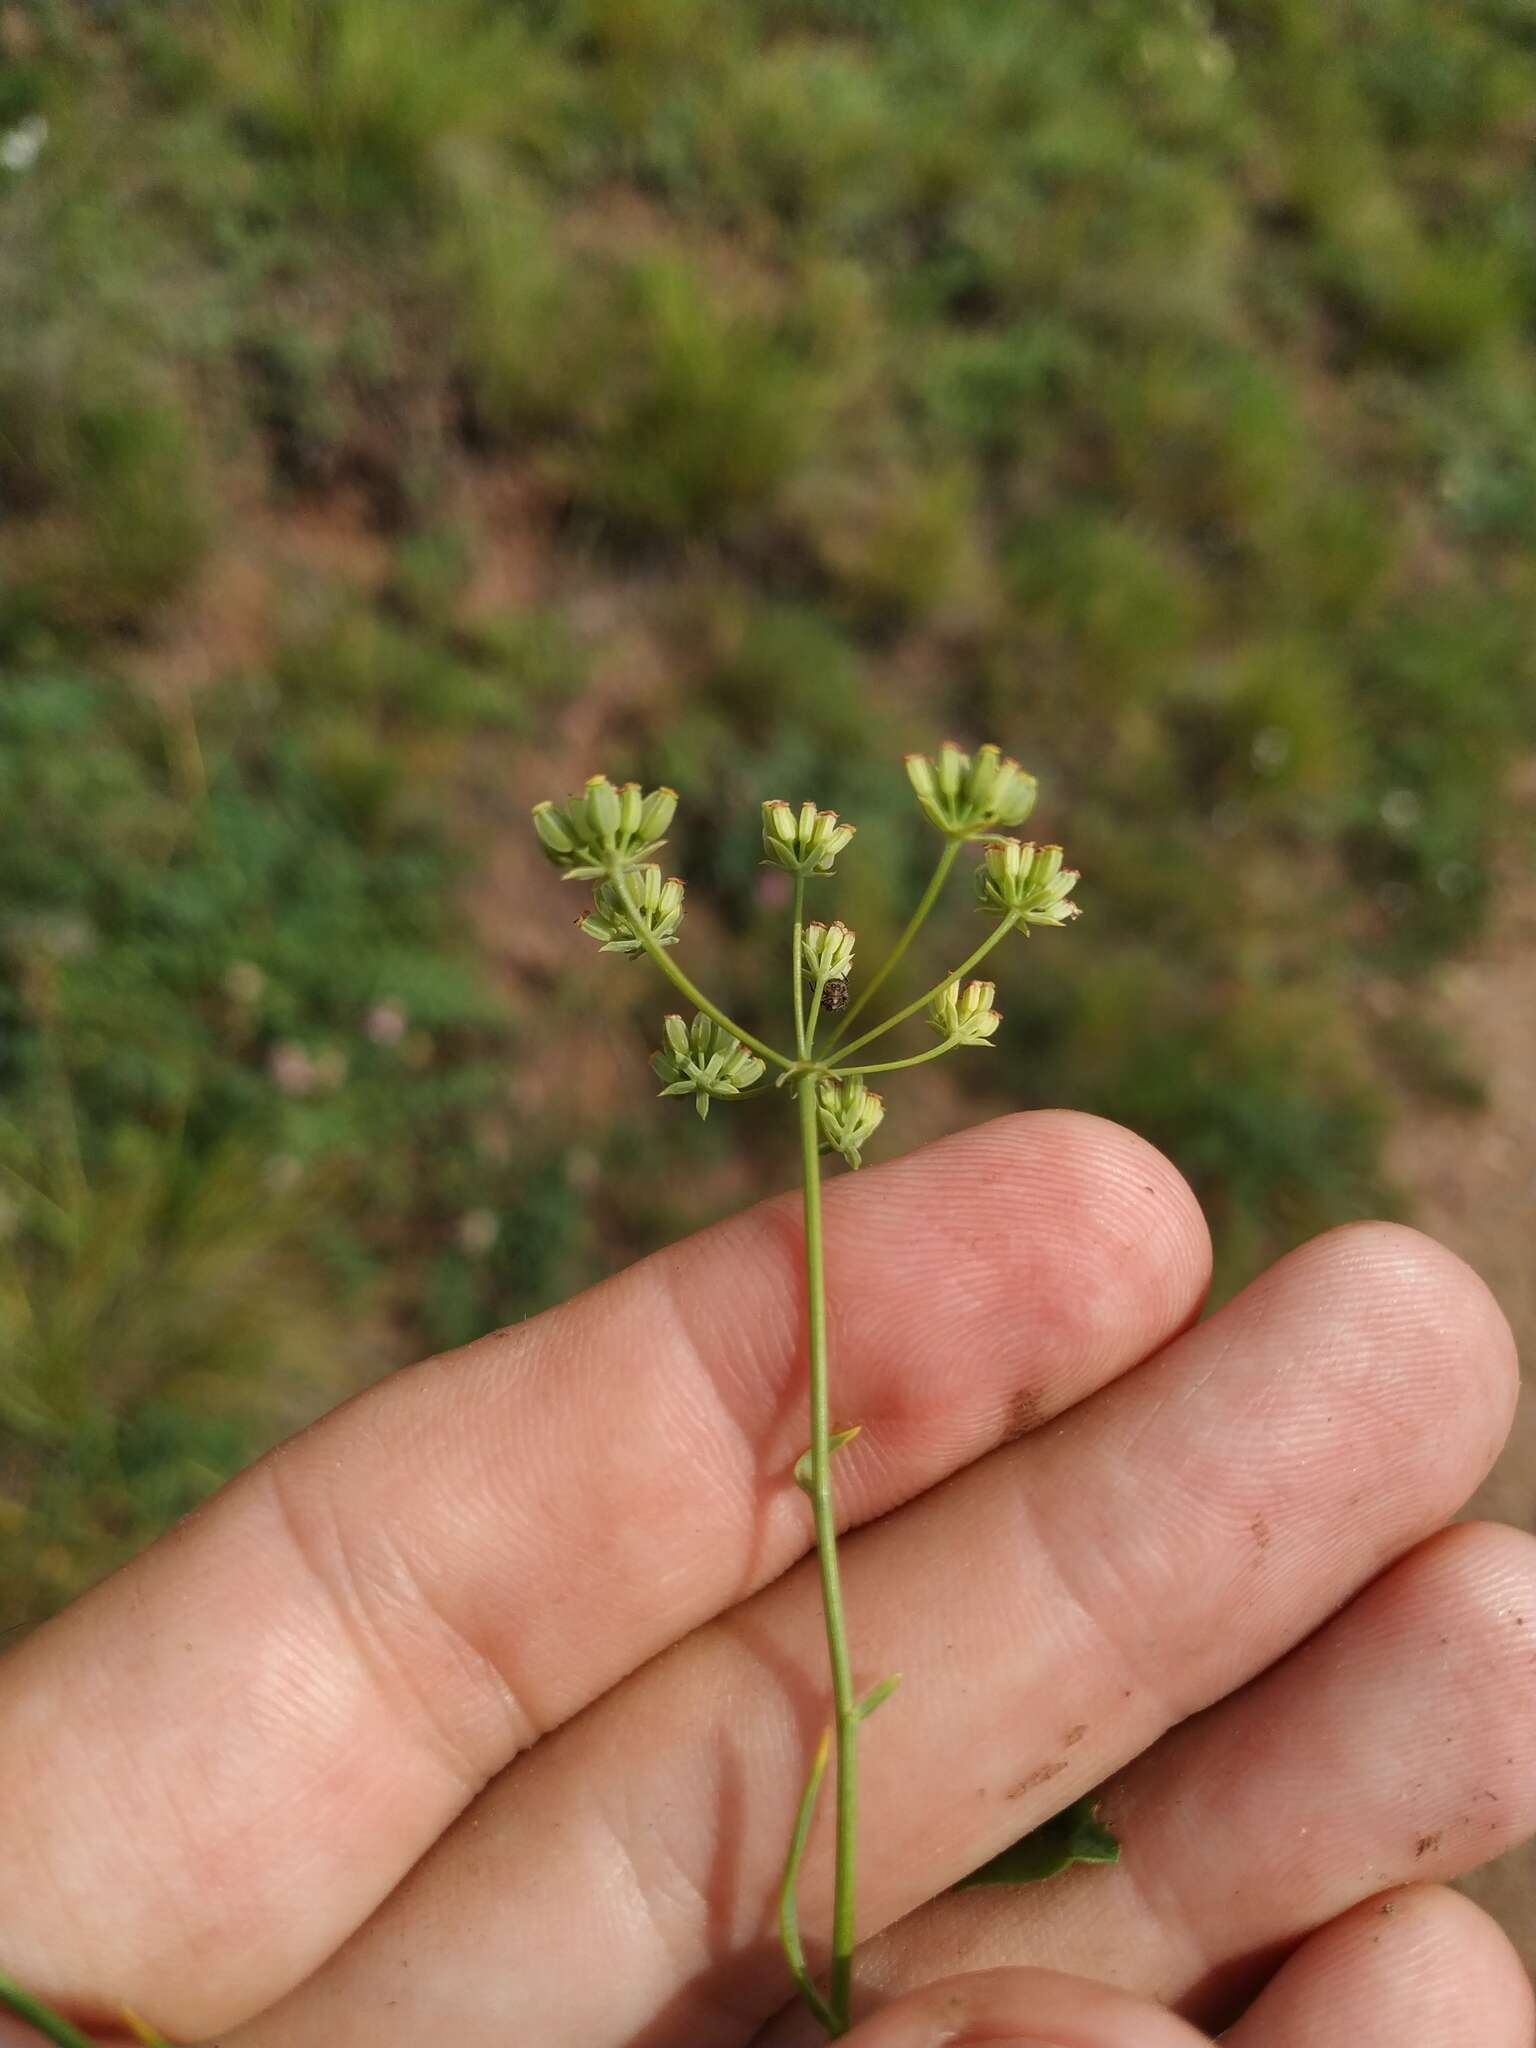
[1073, 1836]
[789, 1908]
[835, 1442]
[50, 2025]
[876, 1696]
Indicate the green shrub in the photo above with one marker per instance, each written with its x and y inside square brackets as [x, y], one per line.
[252, 1088]
[364, 106]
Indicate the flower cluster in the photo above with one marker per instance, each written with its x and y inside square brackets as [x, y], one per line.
[1026, 880]
[970, 795]
[607, 832]
[806, 841]
[657, 907]
[604, 829]
[826, 951]
[965, 1016]
[705, 1061]
[848, 1115]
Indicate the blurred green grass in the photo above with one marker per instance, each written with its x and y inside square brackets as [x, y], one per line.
[736, 397]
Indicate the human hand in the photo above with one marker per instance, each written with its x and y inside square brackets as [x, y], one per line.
[478, 1713]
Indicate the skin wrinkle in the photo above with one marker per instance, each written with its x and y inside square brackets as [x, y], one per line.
[732, 1403]
[654, 1888]
[1125, 1666]
[757, 1358]
[747, 1374]
[678, 1472]
[331, 1564]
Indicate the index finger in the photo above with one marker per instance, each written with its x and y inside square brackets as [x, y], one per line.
[219, 1762]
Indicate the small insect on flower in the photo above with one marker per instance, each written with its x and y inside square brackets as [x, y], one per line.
[826, 951]
[834, 997]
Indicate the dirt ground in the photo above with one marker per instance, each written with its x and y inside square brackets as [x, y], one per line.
[1472, 1182]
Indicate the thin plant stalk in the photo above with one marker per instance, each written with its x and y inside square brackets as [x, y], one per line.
[816, 996]
[915, 1059]
[796, 970]
[898, 952]
[680, 981]
[50, 2025]
[1004, 926]
[845, 1725]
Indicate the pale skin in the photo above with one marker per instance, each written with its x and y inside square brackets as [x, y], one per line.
[478, 1714]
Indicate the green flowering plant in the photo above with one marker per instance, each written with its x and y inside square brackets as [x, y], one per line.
[606, 834]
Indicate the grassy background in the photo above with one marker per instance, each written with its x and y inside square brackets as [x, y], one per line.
[405, 410]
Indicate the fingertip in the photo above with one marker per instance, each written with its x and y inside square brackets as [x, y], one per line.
[1439, 1306]
[1406, 1349]
[1064, 1225]
[1418, 1963]
[1470, 1593]
[1023, 2008]
[1446, 1942]
[1116, 1179]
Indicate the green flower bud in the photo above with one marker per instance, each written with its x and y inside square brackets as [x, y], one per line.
[965, 1015]
[806, 841]
[1016, 875]
[604, 828]
[968, 796]
[704, 1060]
[656, 814]
[848, 1114]
[605, 808]
[826, 951]
[659, 911]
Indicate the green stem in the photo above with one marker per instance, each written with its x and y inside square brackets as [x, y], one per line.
[846, 1718]
[915, 1059]
[789, 1909]
[810, 1033]
[898, 952]
[796, 970]
[955, 974]
[49, 2024]
[680, 981]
